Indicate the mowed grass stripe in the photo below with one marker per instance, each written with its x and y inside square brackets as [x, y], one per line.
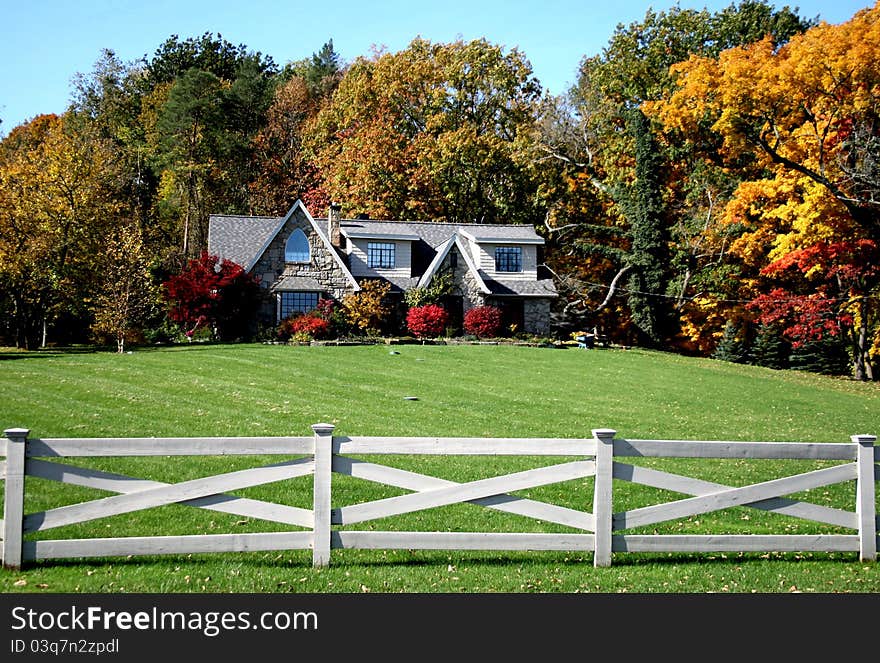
[462, 390]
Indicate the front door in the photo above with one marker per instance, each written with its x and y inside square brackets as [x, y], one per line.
[512, 317]
[454, 305]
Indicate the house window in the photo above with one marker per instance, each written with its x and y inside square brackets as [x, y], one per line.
[380, 255]
[297, 248]
[297, 302]
[508, 259]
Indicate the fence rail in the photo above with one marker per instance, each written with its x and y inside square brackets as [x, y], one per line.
[601, 531]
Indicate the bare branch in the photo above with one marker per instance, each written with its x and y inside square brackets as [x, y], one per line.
[612, 288]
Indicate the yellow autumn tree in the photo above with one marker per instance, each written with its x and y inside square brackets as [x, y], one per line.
[56, 183]
[125, 293]
[430, 133]
[809, 107]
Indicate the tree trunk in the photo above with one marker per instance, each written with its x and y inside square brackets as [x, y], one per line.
[862, 369]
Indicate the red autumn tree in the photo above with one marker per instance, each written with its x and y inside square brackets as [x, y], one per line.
[827, 290]
[222, 297]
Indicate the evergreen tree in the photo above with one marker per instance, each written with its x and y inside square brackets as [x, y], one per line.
[770, 348]
[642, 202]
[827, 355]
[321, 72]
[733, 346]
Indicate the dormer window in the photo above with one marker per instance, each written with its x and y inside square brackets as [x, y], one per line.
[380, 255]
[508, 259]
[297, 248]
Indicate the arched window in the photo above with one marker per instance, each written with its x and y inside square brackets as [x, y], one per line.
[297, 247]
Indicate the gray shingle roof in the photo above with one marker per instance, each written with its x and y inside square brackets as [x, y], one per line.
[305, 283]
[435, 234]
[488, 234]
[240, 238]
[539, 288]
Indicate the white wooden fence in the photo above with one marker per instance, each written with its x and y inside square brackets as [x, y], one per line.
[601, 531]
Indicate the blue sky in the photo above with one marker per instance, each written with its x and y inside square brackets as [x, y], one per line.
[44, 44]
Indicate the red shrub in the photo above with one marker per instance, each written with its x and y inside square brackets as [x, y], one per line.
[306, 324]
[428, 320]
[483, 321]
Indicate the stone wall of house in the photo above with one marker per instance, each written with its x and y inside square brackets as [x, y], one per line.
[322, 267]
[463, 282]
[536, 316]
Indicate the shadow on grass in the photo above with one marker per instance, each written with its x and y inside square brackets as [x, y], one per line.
[427, 559]
[63, 351]
[45, 353]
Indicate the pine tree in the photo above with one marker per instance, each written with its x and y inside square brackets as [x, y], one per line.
[827, 355]
[732, 346]
[770, 349]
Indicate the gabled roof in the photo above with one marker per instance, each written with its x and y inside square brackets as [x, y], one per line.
[442, 252]
[244, 239]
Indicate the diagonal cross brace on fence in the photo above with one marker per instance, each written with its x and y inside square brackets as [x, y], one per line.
[392, 476]
[474, 490]
[698, 487]
[726, 497]
[120, 483]
[162, 495]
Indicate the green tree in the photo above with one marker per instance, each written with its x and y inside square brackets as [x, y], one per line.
[204, 128]
[648, 255]
[827, 355]
[733, 346]
[321, 72]
[770, 348]
[188, 152]
[208, 53]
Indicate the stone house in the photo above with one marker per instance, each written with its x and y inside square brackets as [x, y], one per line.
[299, 259]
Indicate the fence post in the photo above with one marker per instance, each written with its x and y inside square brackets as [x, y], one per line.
[866, 507]
[602, 495]
[13, 496]
[321, 497]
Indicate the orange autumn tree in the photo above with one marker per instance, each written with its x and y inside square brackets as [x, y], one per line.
[807, 115]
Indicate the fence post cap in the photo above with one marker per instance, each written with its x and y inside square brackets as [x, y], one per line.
[17, 432]
[864, 439]
[323, 429]
[604, 432]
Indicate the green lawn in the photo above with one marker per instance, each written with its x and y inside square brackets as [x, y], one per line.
[473, 391]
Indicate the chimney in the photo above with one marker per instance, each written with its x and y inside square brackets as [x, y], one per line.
[333, 232]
